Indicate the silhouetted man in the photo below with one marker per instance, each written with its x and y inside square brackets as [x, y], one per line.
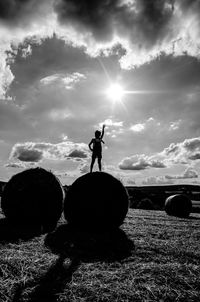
[96, 148]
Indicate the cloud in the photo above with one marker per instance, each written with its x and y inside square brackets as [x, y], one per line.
[111, 123]
[183, 152]
[67, 80]
[26, 153]
[144, 28]
[147, 19]
[148, 124]
[20, 13]
[78, 154]
[188, 173]
[175, 125]
[140, 162]
[157, 180]
[137, 127]
[6, 76]
[177, 153]
[130, 182]
[35, 152]
[17, 165]
[84, 168]
[113, 128]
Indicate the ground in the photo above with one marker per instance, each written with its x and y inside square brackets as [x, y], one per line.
[154, 257]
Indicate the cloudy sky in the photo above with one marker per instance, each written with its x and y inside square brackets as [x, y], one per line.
[60, 58]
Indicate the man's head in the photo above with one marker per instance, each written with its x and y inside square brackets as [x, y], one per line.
[97, 134]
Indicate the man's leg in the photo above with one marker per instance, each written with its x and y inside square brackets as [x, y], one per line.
[92, 163]
[99, 163]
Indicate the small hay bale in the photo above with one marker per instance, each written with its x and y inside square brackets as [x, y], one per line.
[145, 204]
[33, 197]
[178, 205]
[96, 200]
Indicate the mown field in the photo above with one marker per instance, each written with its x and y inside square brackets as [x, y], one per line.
[153, 257]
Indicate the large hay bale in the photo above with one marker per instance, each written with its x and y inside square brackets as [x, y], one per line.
[96, 200]
[34, 196]
[178, 205]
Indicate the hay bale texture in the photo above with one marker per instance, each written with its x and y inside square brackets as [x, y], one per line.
[178, 205]
[34, 196]
[97, 201]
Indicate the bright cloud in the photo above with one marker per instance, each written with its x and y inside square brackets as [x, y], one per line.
[188, 150]
[140, 162]
[147, 125]
[67, 80]
[111, 123]
[157, 180]
[188, 173]
[175, 125]
[137, 127]
[182, 153]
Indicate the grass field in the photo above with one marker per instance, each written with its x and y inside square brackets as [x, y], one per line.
[154, 257]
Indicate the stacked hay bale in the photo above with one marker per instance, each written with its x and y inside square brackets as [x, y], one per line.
[96, 201]
[33, 197]
[178, 205]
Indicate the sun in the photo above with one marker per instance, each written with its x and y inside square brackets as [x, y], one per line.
[115, 92]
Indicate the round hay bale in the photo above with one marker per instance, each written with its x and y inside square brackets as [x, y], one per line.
[178, 205]
[96, 200]
[34, 196]
[145, 204]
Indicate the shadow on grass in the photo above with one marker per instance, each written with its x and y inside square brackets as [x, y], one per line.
[108, 246]
[194, 217]
[12, 232]
[50, 284]
[76, 246]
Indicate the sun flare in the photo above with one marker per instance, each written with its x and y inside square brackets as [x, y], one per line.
[115, 92]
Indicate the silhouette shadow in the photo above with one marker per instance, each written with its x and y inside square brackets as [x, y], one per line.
[12, 232]
[50, 284]
[107, 246]
[76, 246]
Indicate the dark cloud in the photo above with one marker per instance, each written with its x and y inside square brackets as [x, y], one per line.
[24, 154]
[35, 152]
[52, 56]
[193, 5]
[144, 20]
[195, 156]
[77, 154]
[18, 12]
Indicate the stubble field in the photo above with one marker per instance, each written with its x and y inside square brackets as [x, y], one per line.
[153, 257]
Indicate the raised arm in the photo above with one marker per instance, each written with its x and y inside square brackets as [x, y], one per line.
[102, 132]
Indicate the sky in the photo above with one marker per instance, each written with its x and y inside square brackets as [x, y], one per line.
[58, 61]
